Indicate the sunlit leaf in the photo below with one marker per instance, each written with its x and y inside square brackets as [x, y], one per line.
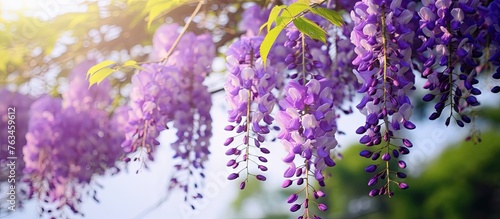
[157, 7]
[295, 9]
[283, 21]
[310, 28]
[268, 42]
[156, 11]
[100, 75]
[273, 14]
[104, 64]
[129, 63]
[330, 15]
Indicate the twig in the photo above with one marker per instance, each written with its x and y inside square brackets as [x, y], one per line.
[195, 12]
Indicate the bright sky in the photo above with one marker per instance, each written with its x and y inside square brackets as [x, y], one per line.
[42, 9]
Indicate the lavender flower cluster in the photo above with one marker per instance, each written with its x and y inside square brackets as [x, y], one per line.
[249, 90]
[450, 53]
[173, 93]
[383, 47]
[68, 143]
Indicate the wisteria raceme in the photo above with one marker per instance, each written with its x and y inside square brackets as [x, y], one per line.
[152, 101]
[450, 51]
[252, 19]
[490, 37]
[341, 51]
[14, 109]
[308, 125]
[67, 146]
[191, 105]
[307, 118]
[383, 47]
[249, 90]
[300, 58]
[193, 54]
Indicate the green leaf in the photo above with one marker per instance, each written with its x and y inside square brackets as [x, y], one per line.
[268, 42]
[310, 28]
[129, 63]
[156, 10]
[296, 9]
[283, 21]
[157, 7]
[100, 75]
[104, 64]
[273, 14]
[307, 2]
[330, 15]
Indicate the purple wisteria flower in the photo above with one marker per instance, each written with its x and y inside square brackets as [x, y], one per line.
[307, 121]
[383, 47]
[187, 102]
[489, 37]
[69, 144]
[152, 102]
[252, 19]
[450, 53]
[249, 90]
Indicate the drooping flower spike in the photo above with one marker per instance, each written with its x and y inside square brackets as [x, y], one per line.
[383, 47]
[250, 96]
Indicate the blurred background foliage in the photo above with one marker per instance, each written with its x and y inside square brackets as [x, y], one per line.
[39, 45]
[462, 182]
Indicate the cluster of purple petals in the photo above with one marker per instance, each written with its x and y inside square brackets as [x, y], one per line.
[383, 47]
[450, 52]
[307, 121]
[173, 92]
[154, 93]
[14, 116]
[250, 97]
[252, 19]
[339, 70]
[68, 144]
[300, 58]
[492, 40]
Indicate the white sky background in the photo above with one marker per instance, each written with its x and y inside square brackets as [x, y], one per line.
[127, 195]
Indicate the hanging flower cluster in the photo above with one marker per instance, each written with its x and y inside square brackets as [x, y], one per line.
[383, 47]
[249, 90]
[68, 143]
[173, 92]
[490, 38]
[450, 54]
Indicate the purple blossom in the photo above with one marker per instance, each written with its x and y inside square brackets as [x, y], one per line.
[153, 95]
[382, 40]
[252, 19]
[69, 144]
[249, 94]
[450, 52]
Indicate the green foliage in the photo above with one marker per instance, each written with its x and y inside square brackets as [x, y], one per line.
[330, 15]
[97, 73]
[155, 8]
[283, 15]
[310, 29]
